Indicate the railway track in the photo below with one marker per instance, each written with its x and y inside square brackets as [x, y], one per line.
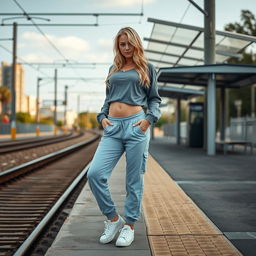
[30, 194]
[12, 146]
[12, 159]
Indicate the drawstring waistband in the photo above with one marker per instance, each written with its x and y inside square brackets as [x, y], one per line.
[121, 118]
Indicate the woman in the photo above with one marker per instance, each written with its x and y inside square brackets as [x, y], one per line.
[130, 85]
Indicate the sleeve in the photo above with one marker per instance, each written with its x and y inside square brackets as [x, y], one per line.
[153, 99]
[105, 108]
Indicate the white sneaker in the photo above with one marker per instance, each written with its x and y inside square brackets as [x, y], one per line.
[126, 236]
[111, 229]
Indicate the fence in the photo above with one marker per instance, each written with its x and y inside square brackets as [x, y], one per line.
[170, 130]
[240, 129]
[25, 128]
[243, 129]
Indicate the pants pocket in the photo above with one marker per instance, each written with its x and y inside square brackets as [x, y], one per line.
[137, 130]
[111, 129]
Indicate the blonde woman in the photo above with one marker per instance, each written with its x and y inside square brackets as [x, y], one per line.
[130, 86]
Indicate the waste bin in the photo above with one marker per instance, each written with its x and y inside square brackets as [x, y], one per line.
[196, 124]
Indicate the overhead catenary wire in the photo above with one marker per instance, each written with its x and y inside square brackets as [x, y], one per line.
[30, 18]
[24, 61]
[142, 10]
[44, 35]
[182, 18]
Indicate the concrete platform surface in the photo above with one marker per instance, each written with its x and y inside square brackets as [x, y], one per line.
[175, 224]
[171, 223]
[80, 232]
[223, 187]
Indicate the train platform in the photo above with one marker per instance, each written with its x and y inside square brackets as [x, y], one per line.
[171, 222]
[6, 137]
[222, 186]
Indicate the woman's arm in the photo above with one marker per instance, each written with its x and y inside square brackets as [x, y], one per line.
[105, 108]
[153, 99]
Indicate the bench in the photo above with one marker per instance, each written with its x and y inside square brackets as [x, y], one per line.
[226, 143]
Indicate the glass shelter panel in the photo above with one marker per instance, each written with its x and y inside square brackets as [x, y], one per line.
[174, 49]
[183, 36]
[169, 58]
[195, 54]
[231, 44]
[162, 32]
[227, 44]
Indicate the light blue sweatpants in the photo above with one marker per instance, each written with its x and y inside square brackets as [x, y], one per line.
[119, 138]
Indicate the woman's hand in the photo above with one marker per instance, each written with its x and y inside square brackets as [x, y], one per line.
[144, 124]
[105, 122]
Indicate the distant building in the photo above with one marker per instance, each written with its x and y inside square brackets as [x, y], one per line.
[6, 80]
[71, 117]
[31, 105]
[49, 112]
[46, 112]
[1, 76]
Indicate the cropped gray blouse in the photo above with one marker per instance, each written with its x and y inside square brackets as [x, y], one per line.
[125, 86]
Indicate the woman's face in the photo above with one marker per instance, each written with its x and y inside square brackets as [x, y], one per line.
[125, 47]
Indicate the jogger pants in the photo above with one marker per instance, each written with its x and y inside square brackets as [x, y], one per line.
[118, 138]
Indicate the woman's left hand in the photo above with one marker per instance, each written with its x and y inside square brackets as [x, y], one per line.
[144, 124]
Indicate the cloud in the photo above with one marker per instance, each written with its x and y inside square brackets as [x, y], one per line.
[72, 43]
[36, 57]
[37, 49]
[71, 47]
[106, 43]
[101, 57]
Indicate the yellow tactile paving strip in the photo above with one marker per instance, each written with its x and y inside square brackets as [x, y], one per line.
[175, 225]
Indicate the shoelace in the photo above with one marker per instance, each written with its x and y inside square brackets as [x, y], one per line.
[124, 232]
[107, 227]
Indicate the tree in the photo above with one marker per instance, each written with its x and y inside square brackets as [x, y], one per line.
[59, 123]
[24, 117]
[87, 120]
[162, 121]
[5, 95]
[47, 120]
[247, 26]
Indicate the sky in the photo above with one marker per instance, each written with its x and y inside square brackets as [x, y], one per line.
[93, 44]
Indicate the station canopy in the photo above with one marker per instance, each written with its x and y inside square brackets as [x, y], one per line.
[174, 45]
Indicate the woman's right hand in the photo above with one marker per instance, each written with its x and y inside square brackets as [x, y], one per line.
[105, 122]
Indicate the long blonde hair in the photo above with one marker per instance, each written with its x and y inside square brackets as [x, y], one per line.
[141, 63]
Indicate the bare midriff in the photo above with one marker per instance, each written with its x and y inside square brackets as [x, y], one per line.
[120, 109]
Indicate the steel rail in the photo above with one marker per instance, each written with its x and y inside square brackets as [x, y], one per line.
[20, 146]
[16, 171]
[36, 232]
[30, 140]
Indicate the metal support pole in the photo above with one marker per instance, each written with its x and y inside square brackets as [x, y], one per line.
[211, 117]
[253, 101]
[65, 108]
[227, 107]
[209, 58]
[78, 110]
[55, 102]
[178, 122]
[37, 106]
[198, 7]
[13, 93]
[223, 113]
